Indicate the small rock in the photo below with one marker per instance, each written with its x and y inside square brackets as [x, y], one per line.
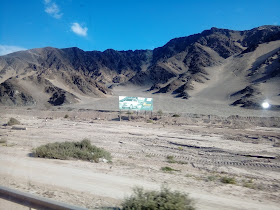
[103, 160]
[18, 128]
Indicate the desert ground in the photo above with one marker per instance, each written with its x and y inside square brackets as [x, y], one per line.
[203, 144]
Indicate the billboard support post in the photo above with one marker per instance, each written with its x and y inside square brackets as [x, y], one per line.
[145, 115]
[136, 104]
[129, 115]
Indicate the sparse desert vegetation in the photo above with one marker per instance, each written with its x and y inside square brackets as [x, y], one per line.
[228, 180]
[150, 121]
[249, 184]
[168, 169]
[82, 150]
[164, 199]
[13, 121]
[191, 156]
[170, 159]
[3, 141]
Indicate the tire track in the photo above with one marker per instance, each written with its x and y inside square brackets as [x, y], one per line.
[203, 155]
[221, 163]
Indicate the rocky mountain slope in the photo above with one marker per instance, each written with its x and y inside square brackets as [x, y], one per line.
[239, 67]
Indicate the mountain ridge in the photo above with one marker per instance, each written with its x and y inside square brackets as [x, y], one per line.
[174, 68]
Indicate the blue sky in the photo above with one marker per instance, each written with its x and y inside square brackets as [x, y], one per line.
[122, 24]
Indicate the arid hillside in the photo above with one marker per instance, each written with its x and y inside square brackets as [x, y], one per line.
[239, 68]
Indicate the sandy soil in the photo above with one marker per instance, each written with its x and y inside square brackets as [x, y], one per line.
[169, 104]
[203, 152]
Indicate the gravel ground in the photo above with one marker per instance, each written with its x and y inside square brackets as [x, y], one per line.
[201, 149]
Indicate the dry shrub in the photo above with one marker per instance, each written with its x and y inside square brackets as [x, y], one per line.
[228, 180]
[13, 121]
[77, 150]
[164, 199]
[168, 169]
[3, 141]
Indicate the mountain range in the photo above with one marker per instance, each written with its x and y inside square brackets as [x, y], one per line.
[241, 68]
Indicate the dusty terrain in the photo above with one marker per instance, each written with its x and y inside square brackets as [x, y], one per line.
[204, 148]
[212, 137]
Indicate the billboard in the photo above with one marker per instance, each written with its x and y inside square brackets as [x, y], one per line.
[135, 103]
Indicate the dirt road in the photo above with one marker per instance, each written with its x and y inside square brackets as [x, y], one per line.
[201, 155]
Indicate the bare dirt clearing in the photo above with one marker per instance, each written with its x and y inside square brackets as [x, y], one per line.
[201, 150]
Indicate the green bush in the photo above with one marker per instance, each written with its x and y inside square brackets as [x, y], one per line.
[228, 180]
[248, 184]
[13, 121]
[168, 169]
[77, 150]
[66, 116]
[164, 199]
[170, 159]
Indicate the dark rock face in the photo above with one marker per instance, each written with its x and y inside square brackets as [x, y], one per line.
[262, 72]
[247, 104]
[57, 99]
[248, 91]
[247, 97]
[189, 55]
[11, 94]
[111, 59]
[168, 69]
[260, 35]
[59, 96]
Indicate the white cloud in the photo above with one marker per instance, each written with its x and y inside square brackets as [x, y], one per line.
[6, 49]
[52, 9]
[78, 29]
